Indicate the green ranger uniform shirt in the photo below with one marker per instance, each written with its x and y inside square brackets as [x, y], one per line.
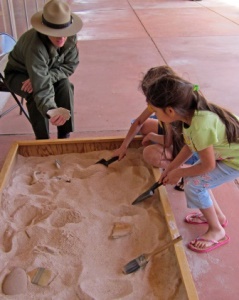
[44, 64]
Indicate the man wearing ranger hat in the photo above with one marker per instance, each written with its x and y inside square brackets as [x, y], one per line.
[39, 66]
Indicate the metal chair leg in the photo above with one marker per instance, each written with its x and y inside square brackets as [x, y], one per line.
[16, 99]
[22, 99]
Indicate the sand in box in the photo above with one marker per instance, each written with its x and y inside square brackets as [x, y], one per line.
[66, 214]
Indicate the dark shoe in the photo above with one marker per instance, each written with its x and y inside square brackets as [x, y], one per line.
[63, 135]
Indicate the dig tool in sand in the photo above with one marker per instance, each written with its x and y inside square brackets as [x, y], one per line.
[107, 162]
[142, 260]
[147, 193]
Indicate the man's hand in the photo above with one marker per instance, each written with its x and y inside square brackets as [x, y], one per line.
[58, 116]
[27, 86]
[58, 120]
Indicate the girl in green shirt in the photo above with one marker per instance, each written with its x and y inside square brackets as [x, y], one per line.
[212, 132]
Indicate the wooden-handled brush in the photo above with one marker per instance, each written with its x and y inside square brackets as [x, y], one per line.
[142, 260]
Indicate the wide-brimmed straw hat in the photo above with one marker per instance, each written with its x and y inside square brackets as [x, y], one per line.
[56, 19]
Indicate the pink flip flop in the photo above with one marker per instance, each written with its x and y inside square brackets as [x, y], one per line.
[199, 216]
[215, 244]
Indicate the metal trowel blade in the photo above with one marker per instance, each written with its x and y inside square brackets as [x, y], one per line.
[143, 196]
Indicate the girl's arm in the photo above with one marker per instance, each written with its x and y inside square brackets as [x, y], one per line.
[163, 140]
[174, 173]
[134, 129]
[153, 137]
[184, 154]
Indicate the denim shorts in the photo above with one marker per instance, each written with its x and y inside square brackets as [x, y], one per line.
[160, 128]
[197, 188]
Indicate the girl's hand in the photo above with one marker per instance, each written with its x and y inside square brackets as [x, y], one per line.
[27, 86]
[172, 177]
[163, 175]
[121, 152]
[146, 140]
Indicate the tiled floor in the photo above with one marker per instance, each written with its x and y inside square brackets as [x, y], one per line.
[119, 42]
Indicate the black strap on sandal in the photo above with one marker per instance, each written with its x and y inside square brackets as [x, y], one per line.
[179, 186]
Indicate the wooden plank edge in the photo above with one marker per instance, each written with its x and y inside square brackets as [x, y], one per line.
[82, 145]
[179, 247]
[74, 140]
[8, 165]
[19, 147]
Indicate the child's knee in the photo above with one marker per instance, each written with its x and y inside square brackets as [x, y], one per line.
[151, 156]
[150, 125]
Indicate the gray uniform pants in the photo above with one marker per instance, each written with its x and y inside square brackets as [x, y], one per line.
[64, 97]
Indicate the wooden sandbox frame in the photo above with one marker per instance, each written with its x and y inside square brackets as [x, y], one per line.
[55, 147]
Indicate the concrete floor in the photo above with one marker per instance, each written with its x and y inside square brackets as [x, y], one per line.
[119, 42]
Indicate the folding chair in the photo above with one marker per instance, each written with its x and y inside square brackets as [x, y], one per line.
[7, 43]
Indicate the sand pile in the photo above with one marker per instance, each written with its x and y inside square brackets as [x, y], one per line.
[59, 213]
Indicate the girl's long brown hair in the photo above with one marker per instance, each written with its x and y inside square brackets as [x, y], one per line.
[170, 90]
[148, 79]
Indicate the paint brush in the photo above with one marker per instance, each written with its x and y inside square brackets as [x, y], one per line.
[142, 260]
[40, 276]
